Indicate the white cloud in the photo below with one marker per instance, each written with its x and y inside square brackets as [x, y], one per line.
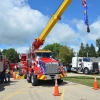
[20, 25]
[62, 33]
[22, 49]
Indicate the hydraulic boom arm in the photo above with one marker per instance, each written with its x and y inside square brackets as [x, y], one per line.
[57, 16]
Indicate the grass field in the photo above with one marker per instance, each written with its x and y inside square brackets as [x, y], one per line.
[85, 80]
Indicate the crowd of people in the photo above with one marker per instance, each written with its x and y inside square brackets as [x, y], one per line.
[5, 74]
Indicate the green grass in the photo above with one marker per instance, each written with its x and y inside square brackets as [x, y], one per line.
[85, 80]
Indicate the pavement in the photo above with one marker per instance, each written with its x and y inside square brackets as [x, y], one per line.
[22, 90]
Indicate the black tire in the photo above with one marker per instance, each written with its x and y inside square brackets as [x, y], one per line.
[86, 71]
[28, 79]
[60, 81]
[34, 80]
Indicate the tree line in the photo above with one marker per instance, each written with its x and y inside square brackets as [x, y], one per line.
[64, 53]
[11, 54]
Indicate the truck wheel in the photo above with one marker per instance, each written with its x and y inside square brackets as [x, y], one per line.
[86, 71]
[34, 80]
[60, 81]
[28, 79]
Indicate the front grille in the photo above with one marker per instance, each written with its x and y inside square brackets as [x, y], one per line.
[95, 65]
[51, 68]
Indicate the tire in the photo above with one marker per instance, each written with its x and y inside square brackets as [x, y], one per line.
[60, 81]
[86, 71]
[28, 79]
[34, 80]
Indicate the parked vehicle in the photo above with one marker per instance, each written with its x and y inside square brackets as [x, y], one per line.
[85, 65]
[38, 64]
[41, 66]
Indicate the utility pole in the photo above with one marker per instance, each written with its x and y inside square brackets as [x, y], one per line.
[87, 54]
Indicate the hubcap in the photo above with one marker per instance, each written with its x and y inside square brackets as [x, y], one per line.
[32, 79]
[86, 71]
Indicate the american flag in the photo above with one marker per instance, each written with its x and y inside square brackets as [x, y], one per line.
[42, 65]
[84, 3]
[85, 12]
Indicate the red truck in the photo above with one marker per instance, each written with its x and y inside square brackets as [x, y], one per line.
[38, 64]
[23, 65]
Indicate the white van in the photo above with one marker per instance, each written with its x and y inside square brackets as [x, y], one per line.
[85, 65]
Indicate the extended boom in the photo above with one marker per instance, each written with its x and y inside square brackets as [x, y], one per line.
[57, 16]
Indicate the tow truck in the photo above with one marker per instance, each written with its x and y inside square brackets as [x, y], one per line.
[38, 64]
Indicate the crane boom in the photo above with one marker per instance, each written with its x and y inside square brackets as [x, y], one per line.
[57, 16]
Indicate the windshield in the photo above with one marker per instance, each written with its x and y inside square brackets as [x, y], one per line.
[23, 58]
[44, 54]
[87, 59]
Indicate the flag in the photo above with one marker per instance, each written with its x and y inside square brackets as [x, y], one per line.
[43, 66]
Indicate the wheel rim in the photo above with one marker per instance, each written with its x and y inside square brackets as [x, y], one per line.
[32, 79]
[86, 71]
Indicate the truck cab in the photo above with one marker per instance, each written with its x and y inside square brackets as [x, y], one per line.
[41, 66]
[85, 65]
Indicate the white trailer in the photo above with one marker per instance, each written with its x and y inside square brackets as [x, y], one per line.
[85, 65]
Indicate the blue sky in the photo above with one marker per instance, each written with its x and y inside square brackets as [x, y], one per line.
[22, 21]
[75, 9]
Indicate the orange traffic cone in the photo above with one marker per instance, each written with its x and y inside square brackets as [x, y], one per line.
[56, 91]
[14, 76]
[96, 87]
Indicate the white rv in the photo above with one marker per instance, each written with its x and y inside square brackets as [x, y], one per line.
[85, 65]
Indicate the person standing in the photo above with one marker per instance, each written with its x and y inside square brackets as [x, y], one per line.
[4, 75]
[8, 72]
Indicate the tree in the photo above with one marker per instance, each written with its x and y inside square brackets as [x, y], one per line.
[98, 43]
[87, 50]
[92, 52]
[54, 48]
[66, 54]
[4, 52]
[11, 54]
[82, 50]
[72, 54]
